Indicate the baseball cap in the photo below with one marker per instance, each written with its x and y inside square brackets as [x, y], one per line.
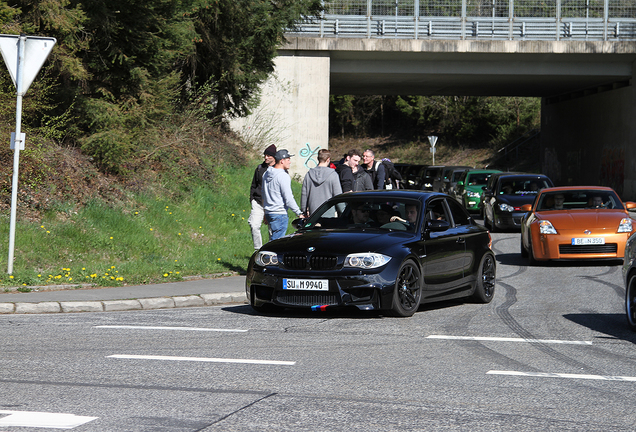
[282, 154]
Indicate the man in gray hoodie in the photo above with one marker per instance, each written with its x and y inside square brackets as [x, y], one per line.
[320, 184]
[278, 195]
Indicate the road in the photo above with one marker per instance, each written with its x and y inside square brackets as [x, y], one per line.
[551, 352]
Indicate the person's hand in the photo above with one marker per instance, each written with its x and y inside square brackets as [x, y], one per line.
[397, 218]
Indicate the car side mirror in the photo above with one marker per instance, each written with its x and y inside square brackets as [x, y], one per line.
[629, 205]
[437, 225]
[486, 190]
[460, 183]
[298, 223]
[526, 207]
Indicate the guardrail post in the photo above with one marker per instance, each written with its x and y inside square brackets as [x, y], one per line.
[605, 18]
[416, 12]
[511, 17]
[463, 19]
[558, 20]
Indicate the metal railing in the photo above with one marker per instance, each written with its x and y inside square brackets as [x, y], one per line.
[587, 20]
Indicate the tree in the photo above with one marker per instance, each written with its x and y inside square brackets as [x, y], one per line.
[235, 49]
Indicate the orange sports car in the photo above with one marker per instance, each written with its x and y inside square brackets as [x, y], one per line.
[582, 222]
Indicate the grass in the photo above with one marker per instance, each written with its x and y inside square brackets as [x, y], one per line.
[152, 238]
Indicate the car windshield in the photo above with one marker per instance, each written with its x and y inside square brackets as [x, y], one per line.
[353, 213]
[522, 185]
[478, 179]
[579, 199]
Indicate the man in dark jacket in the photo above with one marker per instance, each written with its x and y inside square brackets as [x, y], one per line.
[256, 196]
[345, 170]
[374, 168]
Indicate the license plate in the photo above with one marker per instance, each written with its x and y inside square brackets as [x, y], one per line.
[588, 241]
[306, 284]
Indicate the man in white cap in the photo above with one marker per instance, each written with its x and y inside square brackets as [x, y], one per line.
[256, 196]
[278, 195]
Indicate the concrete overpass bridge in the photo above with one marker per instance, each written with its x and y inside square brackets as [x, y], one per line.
[578, 56]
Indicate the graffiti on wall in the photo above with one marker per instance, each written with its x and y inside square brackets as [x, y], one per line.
[613, 168]
[309, 155]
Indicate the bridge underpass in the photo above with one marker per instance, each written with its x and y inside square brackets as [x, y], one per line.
[588, 133]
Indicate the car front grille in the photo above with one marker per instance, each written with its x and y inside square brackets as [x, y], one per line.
[609, 248]
[306, 299]
[315, 262]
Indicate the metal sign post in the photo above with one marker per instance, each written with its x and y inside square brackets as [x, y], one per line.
[24, 57]
[433, 140]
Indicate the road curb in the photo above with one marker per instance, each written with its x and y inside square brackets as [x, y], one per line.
[198, 300]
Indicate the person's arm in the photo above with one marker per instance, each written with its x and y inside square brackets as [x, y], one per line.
[288, 196]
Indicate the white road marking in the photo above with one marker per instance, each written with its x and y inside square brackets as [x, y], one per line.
[203, 359]
[43, 419]
[503, 339]
[563, 375]
[170, 328]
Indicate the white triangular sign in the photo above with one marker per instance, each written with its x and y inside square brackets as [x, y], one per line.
[36, 51]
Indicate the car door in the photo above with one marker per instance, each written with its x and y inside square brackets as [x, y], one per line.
[445, 250]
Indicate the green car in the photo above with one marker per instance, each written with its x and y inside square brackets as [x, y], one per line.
[469, 188]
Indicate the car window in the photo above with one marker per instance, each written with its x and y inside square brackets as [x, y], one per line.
[579, 199]
[436, 210]
[356, 213]
[458, 213]
[478, 179]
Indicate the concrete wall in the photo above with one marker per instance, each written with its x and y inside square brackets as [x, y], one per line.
[591, 140]
[294, 110]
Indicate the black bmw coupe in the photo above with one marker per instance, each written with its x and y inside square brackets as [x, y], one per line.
[385, 250]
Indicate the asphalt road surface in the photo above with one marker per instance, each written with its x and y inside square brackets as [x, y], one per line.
[551, 352]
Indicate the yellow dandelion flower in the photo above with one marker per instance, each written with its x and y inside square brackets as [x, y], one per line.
[11, 277]
[150, 229]
[111, 238]
[165, 275]
[48, 232]
[179, 233]
[218, 259]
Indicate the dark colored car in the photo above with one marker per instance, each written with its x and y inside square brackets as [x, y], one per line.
[505, 193]
[430, 176]
[629, 276]
[469, 188]
[411, 176]
[450, 177]
[375, 250]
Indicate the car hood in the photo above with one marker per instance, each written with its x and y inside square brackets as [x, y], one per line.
[516, 200]
[584, 219]
[339, 241]
[475, 188]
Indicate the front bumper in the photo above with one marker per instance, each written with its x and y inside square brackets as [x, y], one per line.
[364, 291]
[559, 246]
[508, 220]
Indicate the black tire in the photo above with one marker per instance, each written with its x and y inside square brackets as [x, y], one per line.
[407, 292]
[485, 283]
[524, 252]
[531, 259]
[630, 301]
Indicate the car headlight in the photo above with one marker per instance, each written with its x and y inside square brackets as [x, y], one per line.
[545, 227]
[472, 194]
[366, 260]
[625, 225]
[265, 258]
[506, 207]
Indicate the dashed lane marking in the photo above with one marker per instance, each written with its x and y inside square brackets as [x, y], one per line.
[563, 375]
[202, 359]
[169, 328]
[43, 419]
[505, 339]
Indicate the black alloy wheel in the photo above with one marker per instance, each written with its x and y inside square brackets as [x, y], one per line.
[485, 284]
[408, 290]
[630, 301]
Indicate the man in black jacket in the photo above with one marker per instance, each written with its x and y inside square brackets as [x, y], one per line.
[345, 170]
[256, 197]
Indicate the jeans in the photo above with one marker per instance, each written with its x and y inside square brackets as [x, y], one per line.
[255, 221]
[277, 224]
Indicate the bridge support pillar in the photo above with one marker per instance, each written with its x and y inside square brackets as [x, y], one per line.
[590, 138]
[293, 112]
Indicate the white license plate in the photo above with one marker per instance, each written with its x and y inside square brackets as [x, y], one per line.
[306, 284]
[588, 241]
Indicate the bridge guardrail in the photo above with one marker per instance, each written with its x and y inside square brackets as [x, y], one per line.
[469, 28]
